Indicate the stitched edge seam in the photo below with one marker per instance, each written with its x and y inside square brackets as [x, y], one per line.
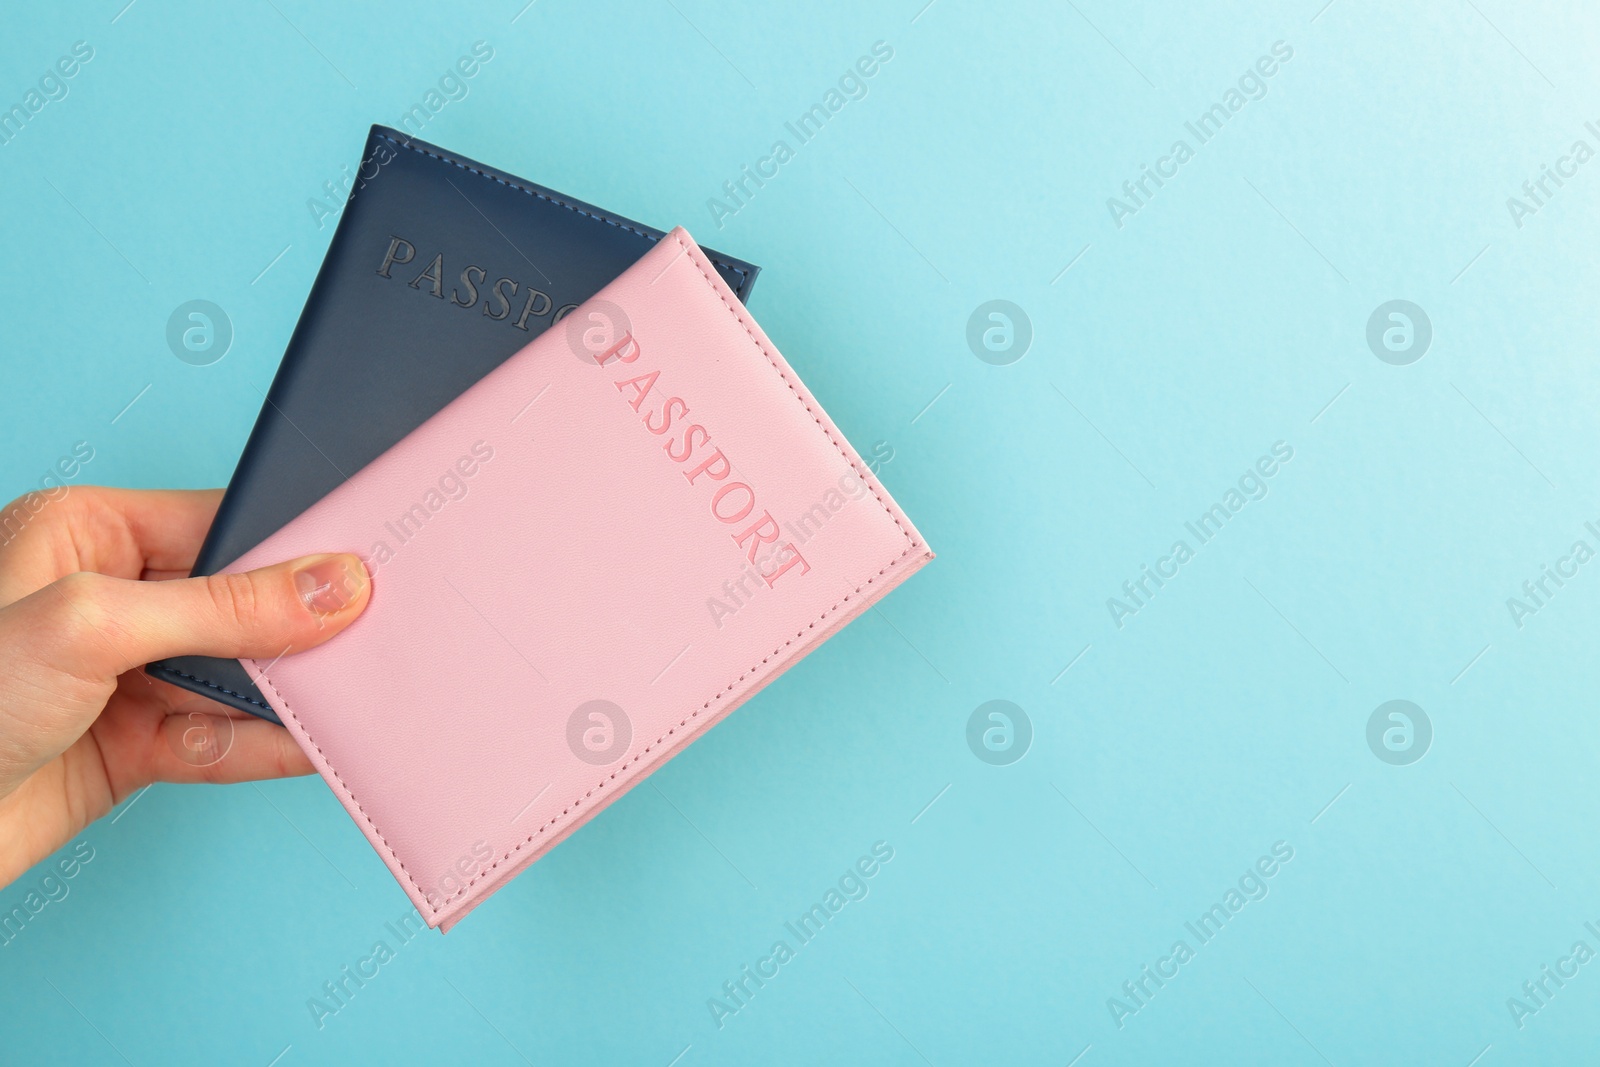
[912, 545]
[194, 678]
[743, 318]
[744, 275]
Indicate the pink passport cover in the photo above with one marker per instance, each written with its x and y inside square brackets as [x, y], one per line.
[579, 566]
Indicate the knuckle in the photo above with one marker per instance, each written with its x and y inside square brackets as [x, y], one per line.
[80, 609]
[77, 627]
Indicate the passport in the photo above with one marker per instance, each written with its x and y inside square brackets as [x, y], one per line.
[544, 634]
[440, 269]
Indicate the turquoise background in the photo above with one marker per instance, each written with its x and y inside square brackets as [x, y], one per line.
[1167, 755]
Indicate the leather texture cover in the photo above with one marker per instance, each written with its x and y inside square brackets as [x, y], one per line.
[440, 269]
[578, 567]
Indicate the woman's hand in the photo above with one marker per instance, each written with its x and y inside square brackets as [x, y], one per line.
[92, 587]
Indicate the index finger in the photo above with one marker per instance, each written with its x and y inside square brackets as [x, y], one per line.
[120, 532]
[167, 526]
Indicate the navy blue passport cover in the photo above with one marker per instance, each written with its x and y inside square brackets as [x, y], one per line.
[439, 270]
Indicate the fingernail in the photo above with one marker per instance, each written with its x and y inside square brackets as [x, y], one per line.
[331, 584]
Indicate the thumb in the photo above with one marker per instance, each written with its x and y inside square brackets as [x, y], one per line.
[96, 627]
